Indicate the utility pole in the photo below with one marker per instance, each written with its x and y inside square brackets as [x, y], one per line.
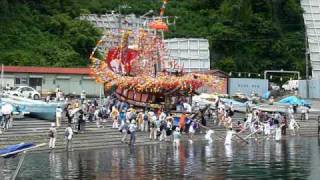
[125, 6]
[2, 80]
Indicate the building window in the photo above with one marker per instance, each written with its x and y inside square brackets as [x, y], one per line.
[17, 81]
[21, 80]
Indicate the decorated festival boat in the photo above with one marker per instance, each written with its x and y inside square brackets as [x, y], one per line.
[136, 67]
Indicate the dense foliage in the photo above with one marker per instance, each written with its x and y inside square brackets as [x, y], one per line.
[244, 35]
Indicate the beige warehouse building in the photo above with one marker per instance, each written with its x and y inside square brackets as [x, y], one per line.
[47, 79]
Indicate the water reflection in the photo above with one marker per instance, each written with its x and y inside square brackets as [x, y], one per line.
[293, 158]
[228, 152]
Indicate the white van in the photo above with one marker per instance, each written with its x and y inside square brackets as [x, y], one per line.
[290, 85]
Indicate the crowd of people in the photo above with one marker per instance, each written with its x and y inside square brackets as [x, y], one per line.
[161, 125]
[269, 125]
[157, 123]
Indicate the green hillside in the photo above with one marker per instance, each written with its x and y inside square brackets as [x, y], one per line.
[244, 35]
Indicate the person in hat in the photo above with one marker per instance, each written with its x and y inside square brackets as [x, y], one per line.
[52, 136]
[132, 129]
[58, 115]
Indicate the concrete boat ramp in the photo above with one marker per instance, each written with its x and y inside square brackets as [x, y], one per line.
[36, 131]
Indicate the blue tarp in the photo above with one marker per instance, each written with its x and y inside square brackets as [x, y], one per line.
[293, 100]
[266, 95]
[15, 147]
[177, 119]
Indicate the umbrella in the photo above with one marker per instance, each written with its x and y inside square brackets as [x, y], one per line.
[75, 110]
[158, 25]
[7, 109]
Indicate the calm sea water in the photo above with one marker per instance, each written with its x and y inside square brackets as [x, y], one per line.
[293, 158]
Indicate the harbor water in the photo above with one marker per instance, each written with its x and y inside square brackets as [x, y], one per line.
[293, 158]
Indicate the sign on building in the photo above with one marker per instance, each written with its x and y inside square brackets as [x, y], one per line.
[247, 86]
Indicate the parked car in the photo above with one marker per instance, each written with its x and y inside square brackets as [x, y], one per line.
[274, 86]
[25, 91]
[291, 85]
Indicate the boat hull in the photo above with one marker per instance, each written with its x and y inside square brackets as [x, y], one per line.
[36, 108]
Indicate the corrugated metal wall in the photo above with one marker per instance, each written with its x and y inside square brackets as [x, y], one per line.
[192, 54]
[247, 86]
[314, 88]
[311, 17]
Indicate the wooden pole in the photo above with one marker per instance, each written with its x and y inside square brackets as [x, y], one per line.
[16, 172]
[241, 138]
[204, 127]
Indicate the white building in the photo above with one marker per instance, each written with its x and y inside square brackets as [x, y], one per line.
[192, 54]
[312, 22]
[115, 21]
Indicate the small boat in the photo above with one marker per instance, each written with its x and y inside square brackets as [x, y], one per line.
[9, 151]
[17, 112]
[22, 149]
[36, 108]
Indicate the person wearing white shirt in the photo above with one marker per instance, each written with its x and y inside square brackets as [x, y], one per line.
[153, 128]
[58, 116]
[8, 88]
[68, 133]
[132, 129]
[187, 107]
[97, 117]
[162, 116]
[290, 112]
[52, 136]
[83, 96]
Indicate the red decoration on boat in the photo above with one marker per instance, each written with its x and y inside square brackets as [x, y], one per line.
[120, 59]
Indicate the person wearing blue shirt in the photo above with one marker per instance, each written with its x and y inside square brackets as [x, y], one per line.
[122, 117]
